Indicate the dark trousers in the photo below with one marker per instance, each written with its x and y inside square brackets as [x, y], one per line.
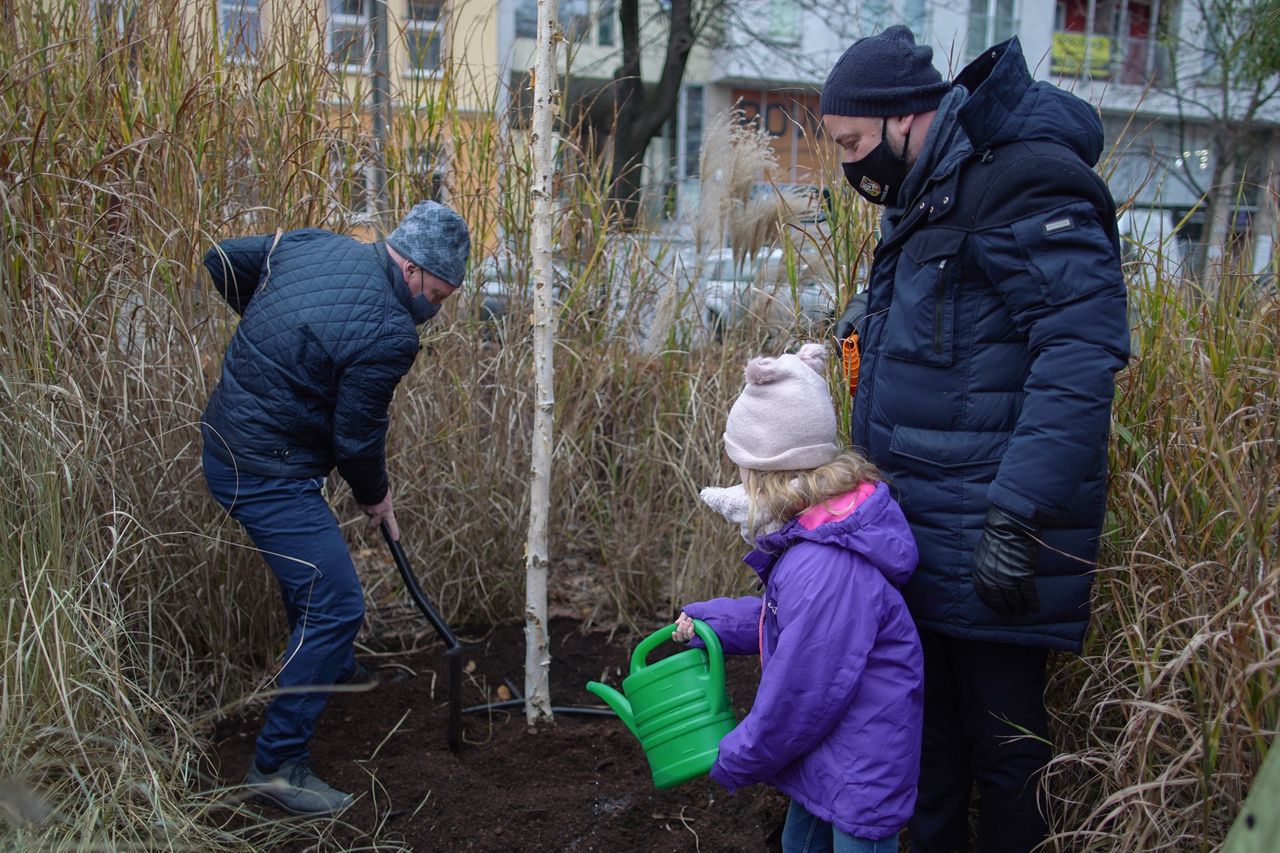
[292, 525]
[983, 703]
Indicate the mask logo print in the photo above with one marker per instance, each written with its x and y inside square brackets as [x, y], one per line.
[878, 176]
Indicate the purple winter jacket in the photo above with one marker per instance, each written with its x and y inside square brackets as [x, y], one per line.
[836, 722]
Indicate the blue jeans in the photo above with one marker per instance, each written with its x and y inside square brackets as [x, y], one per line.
[294, 529]
[805, 833]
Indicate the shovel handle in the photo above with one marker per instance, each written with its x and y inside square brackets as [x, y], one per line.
[453, 648]
[416, 593]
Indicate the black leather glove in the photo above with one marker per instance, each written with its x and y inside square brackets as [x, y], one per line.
[852, 316]
[1004, 565]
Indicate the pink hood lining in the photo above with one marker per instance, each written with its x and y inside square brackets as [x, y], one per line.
[836, 508]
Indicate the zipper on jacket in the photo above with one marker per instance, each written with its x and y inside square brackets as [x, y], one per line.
[870, 349]
[939, 294]
[869, 360]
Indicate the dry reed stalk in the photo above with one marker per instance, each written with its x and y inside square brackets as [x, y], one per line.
[1166, 718]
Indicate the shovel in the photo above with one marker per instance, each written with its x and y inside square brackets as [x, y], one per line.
[452, 648]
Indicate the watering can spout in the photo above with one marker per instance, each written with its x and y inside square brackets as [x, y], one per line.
[616, 701]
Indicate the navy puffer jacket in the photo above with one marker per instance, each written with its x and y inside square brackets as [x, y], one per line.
[326, 335]
[994, 327]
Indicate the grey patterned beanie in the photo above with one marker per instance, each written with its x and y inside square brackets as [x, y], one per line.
[435, 238]
[884, 75]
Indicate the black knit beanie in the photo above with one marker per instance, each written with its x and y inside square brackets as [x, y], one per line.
[887, 74]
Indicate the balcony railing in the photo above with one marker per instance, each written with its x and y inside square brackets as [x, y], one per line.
[1132, 60]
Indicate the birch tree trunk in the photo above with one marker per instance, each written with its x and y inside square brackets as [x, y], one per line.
[376, 10]
[546, 100]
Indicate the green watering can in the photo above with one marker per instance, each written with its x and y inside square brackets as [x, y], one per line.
[677, 707]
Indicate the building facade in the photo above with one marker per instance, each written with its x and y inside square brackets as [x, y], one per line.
[1154, 69]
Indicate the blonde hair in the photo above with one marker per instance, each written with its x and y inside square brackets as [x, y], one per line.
[782, 495]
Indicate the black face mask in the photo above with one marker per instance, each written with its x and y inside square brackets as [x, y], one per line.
[878, 176]
[422, 309]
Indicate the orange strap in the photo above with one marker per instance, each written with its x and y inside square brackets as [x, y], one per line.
[851, 360]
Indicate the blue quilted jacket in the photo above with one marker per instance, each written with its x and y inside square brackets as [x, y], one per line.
[995, 324]
[326, 335]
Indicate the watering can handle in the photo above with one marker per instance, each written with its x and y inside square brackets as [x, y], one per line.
[715, 654]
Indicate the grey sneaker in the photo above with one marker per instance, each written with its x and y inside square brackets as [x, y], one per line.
[359, 675]
[294, 788]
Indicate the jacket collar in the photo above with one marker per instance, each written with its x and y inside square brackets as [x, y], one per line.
[998, 81]
[876, 529]
[939, 156]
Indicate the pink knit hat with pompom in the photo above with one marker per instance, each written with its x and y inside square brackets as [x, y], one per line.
[784, 419]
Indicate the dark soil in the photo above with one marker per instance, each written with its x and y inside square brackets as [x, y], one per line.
[581, 783]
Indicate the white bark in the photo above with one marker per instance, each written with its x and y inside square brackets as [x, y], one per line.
[546, 100]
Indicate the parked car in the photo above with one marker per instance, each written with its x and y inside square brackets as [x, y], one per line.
[504, 282]
[731, 291]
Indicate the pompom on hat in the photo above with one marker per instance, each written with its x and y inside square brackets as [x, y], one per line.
[784, 419]
[887, 74]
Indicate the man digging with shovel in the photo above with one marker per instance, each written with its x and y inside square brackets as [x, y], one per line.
[328, 329]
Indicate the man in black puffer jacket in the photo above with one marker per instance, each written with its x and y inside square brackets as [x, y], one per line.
[328, 329]
[994, 325]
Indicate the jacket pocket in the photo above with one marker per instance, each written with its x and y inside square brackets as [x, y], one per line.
[1068, 253]
[921, 323]
[949, 448]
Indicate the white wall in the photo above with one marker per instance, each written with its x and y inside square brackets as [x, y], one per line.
[820, 38]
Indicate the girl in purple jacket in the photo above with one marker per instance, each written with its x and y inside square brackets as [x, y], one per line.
[836, 721]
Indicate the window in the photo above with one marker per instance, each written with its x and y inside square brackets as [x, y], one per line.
[527, 19]
[874, 16]
[422, 30]
[691, 151]
[424, 10]
[239, 23]
[1109, 39]
[915, 14]
[1144, 48]
[1215, 32]
[784, 21]
[1075, 45]
[575, 19]
[990, 22]
[608, 17]
[349, 34]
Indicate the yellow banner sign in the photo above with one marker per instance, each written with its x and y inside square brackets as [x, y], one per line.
[1069, 54]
